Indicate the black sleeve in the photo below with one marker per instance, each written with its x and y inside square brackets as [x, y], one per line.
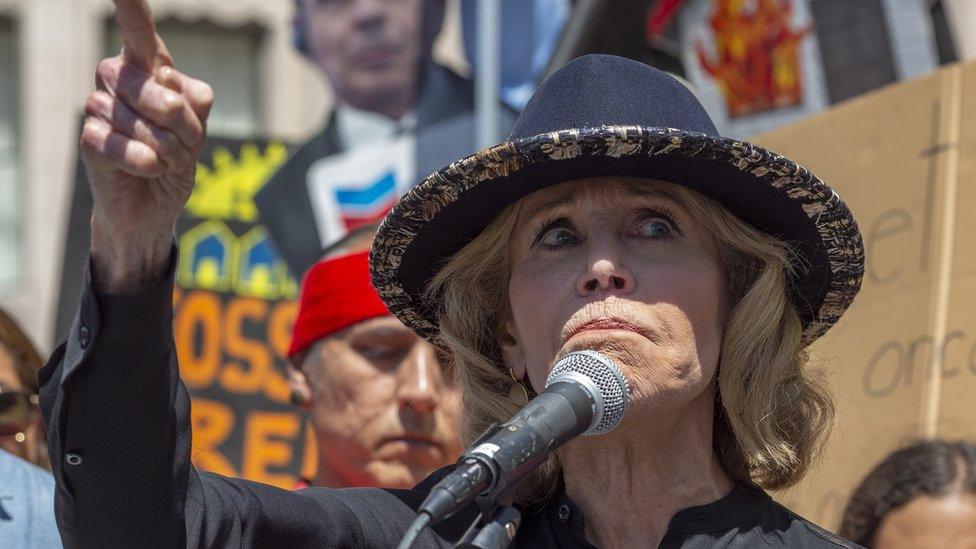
[117, 418]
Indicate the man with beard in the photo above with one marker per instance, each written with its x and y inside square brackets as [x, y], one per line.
[383, 410]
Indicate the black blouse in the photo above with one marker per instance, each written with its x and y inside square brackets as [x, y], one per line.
[117, 417]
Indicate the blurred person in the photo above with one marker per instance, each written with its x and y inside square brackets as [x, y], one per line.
[26, 505]
[26, 490]
[21, 430]
[920, 496]
[377, 58]
[384, 411]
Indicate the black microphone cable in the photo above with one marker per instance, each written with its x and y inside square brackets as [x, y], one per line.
[414, 530]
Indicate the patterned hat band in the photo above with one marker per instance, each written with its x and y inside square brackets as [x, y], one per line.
[674, 141]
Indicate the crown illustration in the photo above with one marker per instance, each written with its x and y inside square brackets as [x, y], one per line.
[225, 189]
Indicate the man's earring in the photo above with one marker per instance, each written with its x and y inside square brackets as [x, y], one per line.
[298, 398]
[520, 383]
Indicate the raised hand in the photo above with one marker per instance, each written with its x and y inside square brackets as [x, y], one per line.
[145, 127]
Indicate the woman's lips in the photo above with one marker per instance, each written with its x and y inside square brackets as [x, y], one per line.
[607, 324]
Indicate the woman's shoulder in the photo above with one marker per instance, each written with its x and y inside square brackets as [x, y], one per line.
[749, 517]
[800, 532]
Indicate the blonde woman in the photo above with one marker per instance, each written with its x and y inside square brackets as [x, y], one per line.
[614, 218]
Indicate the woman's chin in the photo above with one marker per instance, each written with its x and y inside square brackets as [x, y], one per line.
[656, 384]
[633, 353]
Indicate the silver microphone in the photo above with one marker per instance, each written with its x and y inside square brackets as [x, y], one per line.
[605, 382]
[586, 393]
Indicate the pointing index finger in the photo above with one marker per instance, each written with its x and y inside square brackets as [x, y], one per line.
[143, 47]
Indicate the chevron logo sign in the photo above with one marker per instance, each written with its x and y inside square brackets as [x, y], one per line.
[358, 187]
[366, 205]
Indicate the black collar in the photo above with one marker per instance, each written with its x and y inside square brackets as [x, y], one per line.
[739, 505]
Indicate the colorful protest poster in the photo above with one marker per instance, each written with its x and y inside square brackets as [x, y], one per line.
[755, 65]
[234, 310]
[756, 62]
[233, 315]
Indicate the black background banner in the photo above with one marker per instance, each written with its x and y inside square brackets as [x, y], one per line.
[234, 310]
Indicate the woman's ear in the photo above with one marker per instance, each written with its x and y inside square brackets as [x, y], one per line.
[512, 351]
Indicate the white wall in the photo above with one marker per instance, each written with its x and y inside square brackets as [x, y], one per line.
[962, 25]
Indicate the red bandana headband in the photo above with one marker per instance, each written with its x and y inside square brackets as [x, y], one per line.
[336, 293]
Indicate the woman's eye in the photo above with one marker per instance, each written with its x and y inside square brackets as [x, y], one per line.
[558, 238]
[655, 228]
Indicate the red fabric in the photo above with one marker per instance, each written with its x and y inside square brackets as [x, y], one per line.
[659, 16]
[336, 293]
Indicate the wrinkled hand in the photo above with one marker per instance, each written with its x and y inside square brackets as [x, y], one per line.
[145, 127]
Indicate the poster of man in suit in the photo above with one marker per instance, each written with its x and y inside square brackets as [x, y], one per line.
[377, 58]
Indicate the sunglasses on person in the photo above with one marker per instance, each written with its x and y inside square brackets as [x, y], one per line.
[16, 411]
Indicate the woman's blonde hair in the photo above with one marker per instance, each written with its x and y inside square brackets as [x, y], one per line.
[771, 413]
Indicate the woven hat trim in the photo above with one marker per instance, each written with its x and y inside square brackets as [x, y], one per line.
[833, 220]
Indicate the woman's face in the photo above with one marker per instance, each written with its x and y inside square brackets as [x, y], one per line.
[18, 435]
[617, 265]
[926, 521]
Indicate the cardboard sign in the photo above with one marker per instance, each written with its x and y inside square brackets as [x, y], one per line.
[902, 362]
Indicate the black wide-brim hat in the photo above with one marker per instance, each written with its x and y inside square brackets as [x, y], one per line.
[602, 115]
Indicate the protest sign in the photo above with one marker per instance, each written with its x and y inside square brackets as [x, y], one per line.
[233, 315]
[232, 322]
[902, 361]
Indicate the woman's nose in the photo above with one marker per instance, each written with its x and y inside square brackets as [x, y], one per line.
[420, 380]
[605, 273]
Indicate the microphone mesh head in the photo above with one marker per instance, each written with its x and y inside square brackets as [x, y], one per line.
[607, 378]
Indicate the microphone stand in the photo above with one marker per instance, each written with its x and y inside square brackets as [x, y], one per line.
[586, 393]
[496, 533]
[499, 529]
